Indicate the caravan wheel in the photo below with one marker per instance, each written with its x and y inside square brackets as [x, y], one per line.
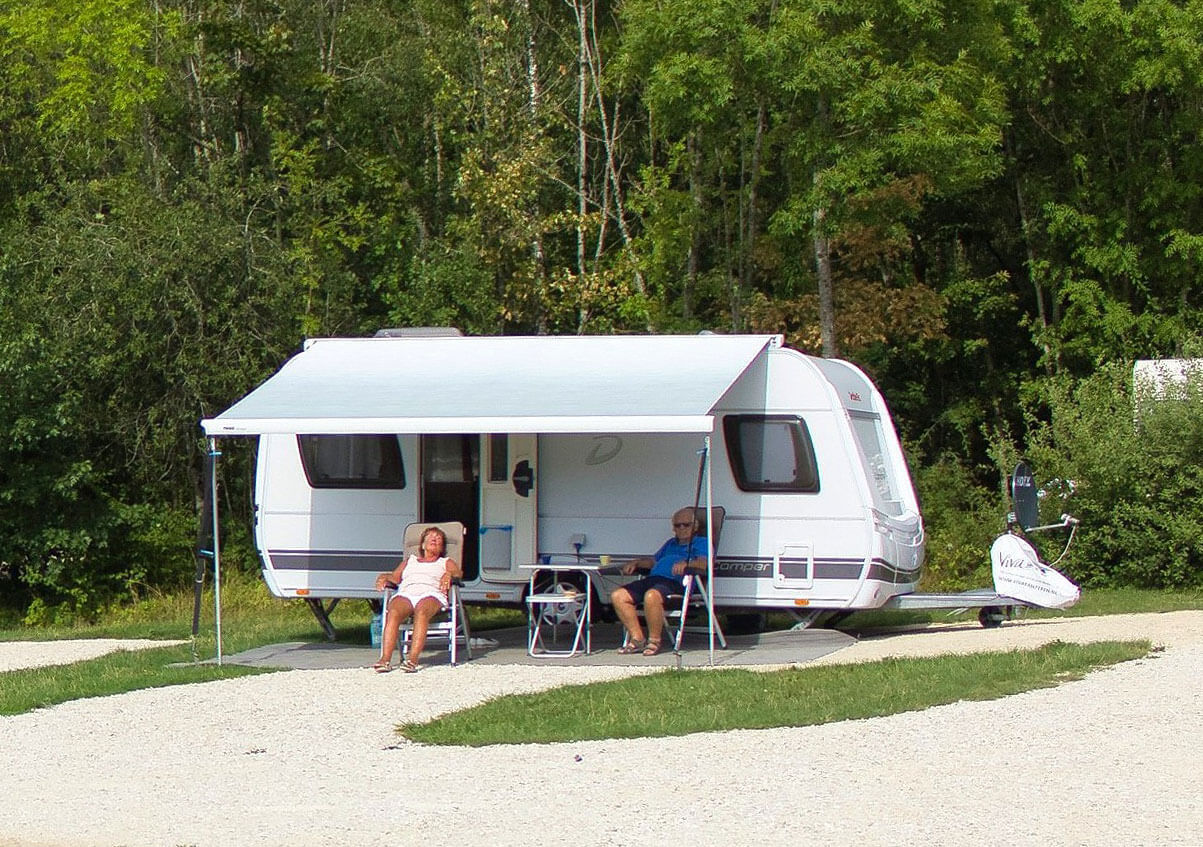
[562, 613]
[991, 617]
[599, 611]
[557, 614]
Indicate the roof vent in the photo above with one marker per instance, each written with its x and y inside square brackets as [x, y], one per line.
[418, 332]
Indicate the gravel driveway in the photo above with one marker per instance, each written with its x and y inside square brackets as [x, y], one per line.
[309, 758]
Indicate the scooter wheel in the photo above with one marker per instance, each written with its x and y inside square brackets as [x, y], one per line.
[991, 617]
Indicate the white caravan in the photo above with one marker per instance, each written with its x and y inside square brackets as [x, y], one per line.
[567, 448]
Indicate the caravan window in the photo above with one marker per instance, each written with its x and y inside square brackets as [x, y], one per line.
[352, 461]
[771, 453]
[869, 437]
[499, 458]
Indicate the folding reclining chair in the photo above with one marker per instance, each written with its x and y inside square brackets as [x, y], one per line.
[695, 595]
[452, 624]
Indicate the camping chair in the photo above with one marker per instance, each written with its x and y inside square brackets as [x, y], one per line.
[452, 624]
[695, 594]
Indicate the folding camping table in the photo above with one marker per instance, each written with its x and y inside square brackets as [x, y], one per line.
[546, 609]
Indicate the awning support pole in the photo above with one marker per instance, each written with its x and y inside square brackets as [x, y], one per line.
[214, 453]
[709, 547]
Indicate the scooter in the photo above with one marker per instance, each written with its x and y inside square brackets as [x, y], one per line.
[1017, 568]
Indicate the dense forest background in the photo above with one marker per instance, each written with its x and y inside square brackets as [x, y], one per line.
[993, 207]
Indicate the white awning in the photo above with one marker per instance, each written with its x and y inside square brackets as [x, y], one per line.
[506, 384]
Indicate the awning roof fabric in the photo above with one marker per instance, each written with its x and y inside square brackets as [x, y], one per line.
[512, 384]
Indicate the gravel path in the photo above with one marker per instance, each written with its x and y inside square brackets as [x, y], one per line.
[309, 758]
[15, 655]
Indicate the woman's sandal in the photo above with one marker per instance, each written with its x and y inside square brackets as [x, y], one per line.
[652, 648]
[382, 666]
[632, 647]
[409, 667]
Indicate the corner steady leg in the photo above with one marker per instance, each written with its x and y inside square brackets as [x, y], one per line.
[322, 613]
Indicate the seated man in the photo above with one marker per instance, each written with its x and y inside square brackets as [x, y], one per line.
[685, 550]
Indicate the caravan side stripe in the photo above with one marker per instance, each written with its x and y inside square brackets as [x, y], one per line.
[882, 571]
[762, 567]
[795, 567]
[726, 567]
[334, 560]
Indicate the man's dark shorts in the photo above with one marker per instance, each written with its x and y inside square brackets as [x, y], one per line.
[662, 584]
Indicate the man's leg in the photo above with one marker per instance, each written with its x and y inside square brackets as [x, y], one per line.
[624, 607]
[653, 610]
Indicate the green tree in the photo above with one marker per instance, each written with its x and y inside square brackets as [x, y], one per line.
[1105, 175]
[126, 320]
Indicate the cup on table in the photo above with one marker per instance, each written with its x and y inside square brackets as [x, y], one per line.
[604, 558]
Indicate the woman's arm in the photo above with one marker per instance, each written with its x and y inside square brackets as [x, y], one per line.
[393, 576]
[453, 571]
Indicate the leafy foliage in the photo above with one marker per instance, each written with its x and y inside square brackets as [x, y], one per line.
[1132, 473]
[980, 203]
[962, 518]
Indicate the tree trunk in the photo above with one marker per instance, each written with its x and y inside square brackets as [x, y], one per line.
[534, 101]
[1025, 228]
[826, 285]
[582, 140]
[750, 224]
[609, 141]
[693, 146]
[822, 244]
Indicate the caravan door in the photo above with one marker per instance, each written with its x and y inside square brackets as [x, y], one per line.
[450, 480]
[508, 506]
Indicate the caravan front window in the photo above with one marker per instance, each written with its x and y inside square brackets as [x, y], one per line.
[771, 453]
[352, 461]
[867, 430]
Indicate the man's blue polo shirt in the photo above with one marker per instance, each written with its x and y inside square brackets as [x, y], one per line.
[674, 551]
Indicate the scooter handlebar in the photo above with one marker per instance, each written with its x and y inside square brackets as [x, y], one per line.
[1066, 521]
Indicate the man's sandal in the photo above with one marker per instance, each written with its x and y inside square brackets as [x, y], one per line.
[632, 647]
[382, 666]
[409, 667]
[652, 648]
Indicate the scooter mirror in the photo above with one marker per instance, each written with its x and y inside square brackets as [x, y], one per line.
[1023, 496]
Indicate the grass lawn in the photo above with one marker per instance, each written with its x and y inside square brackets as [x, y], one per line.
[114, 673]
[250, 618]
[681, 702]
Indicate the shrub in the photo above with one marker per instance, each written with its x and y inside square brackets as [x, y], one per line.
[962, 518]
[1134, 480]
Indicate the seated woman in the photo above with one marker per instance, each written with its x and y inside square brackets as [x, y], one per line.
[684, 551]
[422, 581]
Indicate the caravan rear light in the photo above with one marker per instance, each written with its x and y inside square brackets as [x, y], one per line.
[492, 595]
[802, 602]
[302, 592]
